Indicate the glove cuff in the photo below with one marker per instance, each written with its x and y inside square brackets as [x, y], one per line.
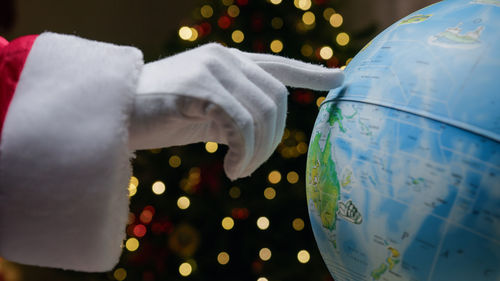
[64, 158]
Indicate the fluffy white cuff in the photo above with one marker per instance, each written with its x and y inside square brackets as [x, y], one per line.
[64, 158]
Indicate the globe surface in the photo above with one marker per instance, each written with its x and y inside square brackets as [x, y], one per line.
[403, 169]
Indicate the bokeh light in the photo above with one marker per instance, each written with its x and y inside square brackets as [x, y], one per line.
[223, 258]
[185, 33]
[265, 254]
[206, 11]
[227, 2]
[263, 223]
[233, 11]
[174, 161]
[276, 46]
[327, 13]
[342, 39]
[185, 269]
[274, 177]
[235, 192]
[183, 202]
[269, 193]
[262, 279]
[298, 224]
[336, 20]
[302, 4]
[276, 2]
[277, 22]
[139, 230]
[120, 274]
[132, 244]
[326, 52]
[306, 50]
[320, 100]
[303, 256]
[237, 36]
[292, 177]
[158, 187]
[308, 18]
[227, 223]
[211, 147]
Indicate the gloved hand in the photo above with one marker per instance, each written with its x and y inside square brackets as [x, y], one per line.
[214, 93]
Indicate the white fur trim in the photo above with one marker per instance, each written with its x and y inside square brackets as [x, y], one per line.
[64, 158]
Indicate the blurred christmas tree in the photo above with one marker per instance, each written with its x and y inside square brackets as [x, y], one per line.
[187, 220]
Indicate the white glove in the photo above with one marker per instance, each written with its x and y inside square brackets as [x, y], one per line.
[214, 93]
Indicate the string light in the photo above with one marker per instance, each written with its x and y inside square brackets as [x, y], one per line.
[132, 189]
[336, 20]
[134, 181]
[308, 18]
[237, 36]
[158, 187]
[274, 177]
[206, 11]
[277, 22]
[265, 254]
[276, 2]
[292, 177]
[211, 147]
[132, 244]
[303, 256]
[326, 52]
[276, 46]
[327, 13]
[298, 224]
[185, 33]
[223, 258]
[194, 34]
[263, 223]
[139, 230]
[146, 216]
[320, 100]
[120, 274]
[269, 193]
[262, 279]
[302, 146]
[306, 50]
[183, 202]
[233, 11]
[302, 4]
[342, 38]
[174, 161]
[185, 269]
[234, 192]
[227, 223]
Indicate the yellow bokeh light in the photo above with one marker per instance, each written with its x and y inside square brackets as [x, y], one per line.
[302, 4]
[306, 50]
[292, 177]
[235, 192]
[308, 18]
[194, 34]
[320, 100]
[269, 193]
[342, 39]
[342, 67]
[327, 13]
[174, 161]
[206, 11]
[132, 244]
[302, 147]
[326, 52]
[276, 2]
[276, 46]
[185, 33]
[227, 223]
[348, 61]
[158, 187]
[303, 256]
[262, 279]
[211, 147]
[132, 189]
[183, 202]
[120, 274]
[263, 223]
[277, 22]
[298, 224]
[227, 2]
[185, 269]
[233, 11]
[336, 20]
[274, 177]
[223, 258]
[265, 254]
[134, 181]
[237, 36]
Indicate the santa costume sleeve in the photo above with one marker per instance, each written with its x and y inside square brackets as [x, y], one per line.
[64, 157]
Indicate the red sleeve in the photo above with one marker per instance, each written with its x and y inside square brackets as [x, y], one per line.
[12, 58]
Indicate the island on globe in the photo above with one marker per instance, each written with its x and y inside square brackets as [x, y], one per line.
[403, 168]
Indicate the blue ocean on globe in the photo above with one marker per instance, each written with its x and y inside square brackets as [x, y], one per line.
[403, 168]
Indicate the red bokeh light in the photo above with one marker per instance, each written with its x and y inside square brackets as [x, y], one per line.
[224, 22]
[139, 230]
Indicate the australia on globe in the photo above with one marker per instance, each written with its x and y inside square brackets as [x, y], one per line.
[403, 168]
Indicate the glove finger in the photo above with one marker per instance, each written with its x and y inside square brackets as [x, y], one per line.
[299, 74]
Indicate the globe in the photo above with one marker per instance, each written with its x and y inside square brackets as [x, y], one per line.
[403, 167]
